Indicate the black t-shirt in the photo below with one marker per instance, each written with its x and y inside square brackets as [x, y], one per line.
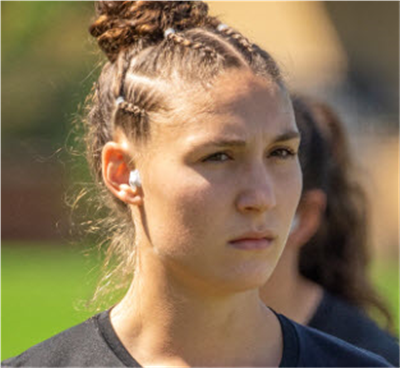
[94, 343]
[337, 317]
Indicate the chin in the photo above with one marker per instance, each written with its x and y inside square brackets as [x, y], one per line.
[246, 277]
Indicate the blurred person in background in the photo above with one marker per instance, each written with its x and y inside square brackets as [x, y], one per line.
[322, 278]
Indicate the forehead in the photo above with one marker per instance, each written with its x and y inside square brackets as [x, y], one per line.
[244, 94]
[238, 102]
[239, 86]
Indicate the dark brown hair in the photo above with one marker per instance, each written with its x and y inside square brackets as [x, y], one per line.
[142, 58]
[337, 257]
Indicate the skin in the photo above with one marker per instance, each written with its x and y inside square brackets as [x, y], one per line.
[287, 291]
[194, 299]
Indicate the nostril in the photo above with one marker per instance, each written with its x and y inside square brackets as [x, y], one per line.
[258, 190]
[256, 201]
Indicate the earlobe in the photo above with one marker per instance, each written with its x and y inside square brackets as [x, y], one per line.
[116, 174]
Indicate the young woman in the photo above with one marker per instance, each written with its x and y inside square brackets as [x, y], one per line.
[321, 279]
[192, 133]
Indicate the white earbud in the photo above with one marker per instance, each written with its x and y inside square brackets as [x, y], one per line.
[295, 223]
[134, 179]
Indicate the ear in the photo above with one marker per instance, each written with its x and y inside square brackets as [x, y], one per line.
[309, 216]
[115, 167]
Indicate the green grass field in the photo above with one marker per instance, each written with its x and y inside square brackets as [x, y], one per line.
[44, 290]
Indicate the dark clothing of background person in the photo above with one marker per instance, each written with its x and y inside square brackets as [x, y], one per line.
[337, 317]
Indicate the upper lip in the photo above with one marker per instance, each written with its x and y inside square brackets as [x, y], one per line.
[256, 235]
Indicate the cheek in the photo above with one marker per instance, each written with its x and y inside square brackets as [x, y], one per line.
[288, 191]
[180, 209]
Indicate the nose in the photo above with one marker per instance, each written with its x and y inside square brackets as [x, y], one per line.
[258, 194]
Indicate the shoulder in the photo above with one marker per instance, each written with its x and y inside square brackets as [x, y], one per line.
[337, 317]
[81, 345]
[317, 349]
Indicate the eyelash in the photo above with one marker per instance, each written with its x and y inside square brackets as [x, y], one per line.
[280, 153]
[284, 153]
[210, 158]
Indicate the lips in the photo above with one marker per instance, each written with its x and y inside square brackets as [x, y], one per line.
[253, 241]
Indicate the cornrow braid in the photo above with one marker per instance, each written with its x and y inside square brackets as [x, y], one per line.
[229, 32]
[180, 40]
[130, 108]
[131, 118]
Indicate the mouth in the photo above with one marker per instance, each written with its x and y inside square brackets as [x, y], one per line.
[253, 241]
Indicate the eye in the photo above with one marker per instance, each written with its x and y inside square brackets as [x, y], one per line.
[283, 153]
[217, 157]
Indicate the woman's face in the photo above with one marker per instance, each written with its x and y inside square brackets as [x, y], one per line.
[225, 169]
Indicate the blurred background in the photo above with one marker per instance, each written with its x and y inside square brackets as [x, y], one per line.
[346, 53]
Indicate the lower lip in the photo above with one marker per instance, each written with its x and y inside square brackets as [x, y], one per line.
[251, 244]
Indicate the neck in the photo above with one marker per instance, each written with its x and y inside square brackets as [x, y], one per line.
[162, 321]
[290, 293]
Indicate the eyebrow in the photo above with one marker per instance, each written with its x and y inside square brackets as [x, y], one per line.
[285, 136]
[288, 135]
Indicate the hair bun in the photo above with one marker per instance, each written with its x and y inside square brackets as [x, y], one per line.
[142, 23]
[109, 7]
